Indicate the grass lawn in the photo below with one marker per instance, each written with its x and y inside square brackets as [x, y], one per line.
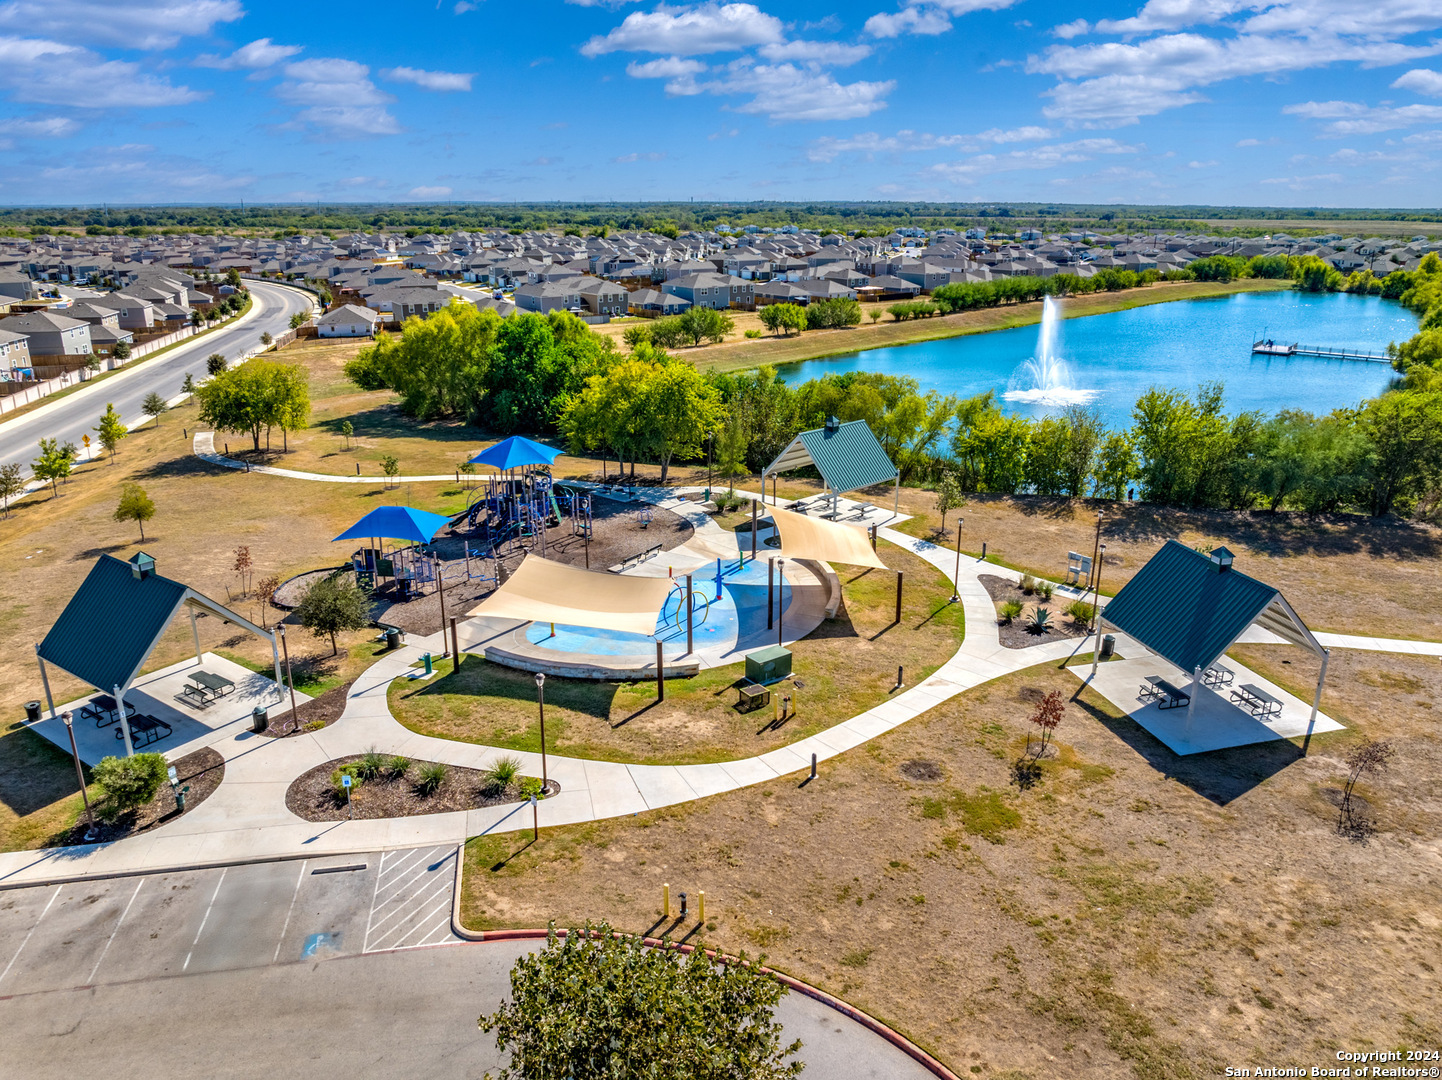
[1134, 913]
[848, 665]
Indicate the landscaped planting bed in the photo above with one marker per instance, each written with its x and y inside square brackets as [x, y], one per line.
[201, 771]
[1019, 630]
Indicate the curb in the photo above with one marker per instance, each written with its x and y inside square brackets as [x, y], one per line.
[182, 868]
[851, 1012]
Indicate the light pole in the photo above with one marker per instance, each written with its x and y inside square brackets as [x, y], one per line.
[90, 834]
[541, 701]
[955, 594]
[294, 723]
[1096, 548]
[1097, 615]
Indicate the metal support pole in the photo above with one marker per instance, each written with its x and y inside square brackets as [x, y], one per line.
[1192, 697]
[441, 590]
[275, 660]
[1096, 550]
[541, 703]
[956, 578]
[1316, 701]
[896, 501]
[455, 645]
[1097, 650]
[770, 593]
[535, 820]
[124, 723]
[781, 601]
[754, 524]
[900, 575]
[45, 680]
[290, 680]
[689, 613]
[195, 636]
[871, 532]
[660, 675]
[80, 777]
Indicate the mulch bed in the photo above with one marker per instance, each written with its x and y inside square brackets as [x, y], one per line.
[201, 771]
[1014, 634]
[324, 711]
[311, 796]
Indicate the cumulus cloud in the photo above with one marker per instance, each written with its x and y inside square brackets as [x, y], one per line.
[54, 73]
[829, 53]
[1355, 118]
[1067, 31]
[707, 28]
[429, 80]
[1421, 81]
[129, 24]
[261, 53]
[1035, 158]
[668, 67]
[787, 92]
[906, 141]
[929, 18]
[339, 98]
[429, 192]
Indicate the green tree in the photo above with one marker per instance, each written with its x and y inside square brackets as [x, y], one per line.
[135, 505]
[196, 318]
[121, 350]
[111, 431]
[598, 1005]
[347, 430]
[990, 447]
[706, 324]
[832, 314]
[391, 466]
[215, 363]
[299, 319]
[1404, 433]
[731, 449]
[1116, 465]
[1313, 275]
[187, 384]
[232, 277]
[783, 318]
[681, 409]
[129, 782]
[12, 483]
[53, 464]
[634, 335]
[266, 339]
[331, 606]
[254, 397]
[153, 406]
[948, 496]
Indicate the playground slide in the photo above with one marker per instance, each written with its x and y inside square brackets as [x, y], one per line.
[556, 507]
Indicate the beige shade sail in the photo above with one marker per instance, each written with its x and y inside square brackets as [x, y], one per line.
[545, 591]
[803, 537]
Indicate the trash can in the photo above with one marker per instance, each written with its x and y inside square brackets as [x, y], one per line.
[1109, 645]
[393, 639]
[32, 711]
[259, 718]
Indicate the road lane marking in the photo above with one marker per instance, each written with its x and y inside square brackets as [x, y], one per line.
[286, 925]
[27, 936]
[203, 921]
[91, 981]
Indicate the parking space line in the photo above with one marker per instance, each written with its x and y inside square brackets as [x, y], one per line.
[410, 907]
[91, 981]
[446, 903]
[203, 921]
[27, 936]
[286, 925]
[423, 869]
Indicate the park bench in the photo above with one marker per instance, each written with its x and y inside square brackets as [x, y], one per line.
[1256, 701]
[1167, 696]
[640, 557]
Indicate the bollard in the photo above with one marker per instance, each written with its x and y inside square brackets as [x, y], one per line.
[683, 905]
[701, 906]
[666, 901]
[357, 468]
[180, 799]
[660, 675]
[983, 551]
[813, 768]
[898, 676]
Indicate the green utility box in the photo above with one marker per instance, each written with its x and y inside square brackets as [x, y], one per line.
[769, 664]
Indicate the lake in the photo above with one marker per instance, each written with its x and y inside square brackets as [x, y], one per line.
[1108, 360]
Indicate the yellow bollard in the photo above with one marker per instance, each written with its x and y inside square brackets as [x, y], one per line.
[666, 901]
[701, 907]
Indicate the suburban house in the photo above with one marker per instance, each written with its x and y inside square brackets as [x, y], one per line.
[781, 292]
[404, 302]
[105, 331]
[712, 290]
[504, 308]
[133, 312]
[655, 303]
[547, 296]
[348, 321]
[15, 285]
[604, 297]
[14, 354]
[51, 334]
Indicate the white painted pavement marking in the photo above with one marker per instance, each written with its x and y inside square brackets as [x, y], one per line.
[27, 936]
[413, 907]
[111, 938]
[289, 911]
[203, 921]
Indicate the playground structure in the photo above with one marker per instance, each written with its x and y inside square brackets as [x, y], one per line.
[510, 514]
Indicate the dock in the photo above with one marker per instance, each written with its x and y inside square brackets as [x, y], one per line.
[1268, 347]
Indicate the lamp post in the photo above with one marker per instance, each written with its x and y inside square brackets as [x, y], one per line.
[90, 833]
[294, 723]
[541, 702]
[1097, 615]
[955, 594]
[1096, 549]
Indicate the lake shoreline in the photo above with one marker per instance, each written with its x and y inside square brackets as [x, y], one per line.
[832, 344]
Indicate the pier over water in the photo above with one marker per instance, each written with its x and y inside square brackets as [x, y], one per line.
[1268, 347]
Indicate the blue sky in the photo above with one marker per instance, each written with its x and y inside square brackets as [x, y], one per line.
[1302, 102]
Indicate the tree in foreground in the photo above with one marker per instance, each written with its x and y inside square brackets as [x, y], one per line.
[53, 464]
[129, 782]
[1368, 757]
[12, 483]
[153, 406]
[111, 431]
[135, 505]
[330, 606]
[948, 496]
[596, 1005]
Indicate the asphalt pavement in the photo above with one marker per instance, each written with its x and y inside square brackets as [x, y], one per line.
[75, 415]
[345, 963]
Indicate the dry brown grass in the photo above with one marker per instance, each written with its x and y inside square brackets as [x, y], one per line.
[1134, 913]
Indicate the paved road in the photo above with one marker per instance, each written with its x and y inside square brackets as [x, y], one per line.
[274, 969]
[76, 415]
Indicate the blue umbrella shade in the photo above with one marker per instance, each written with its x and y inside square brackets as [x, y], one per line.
[396, 523]
[515, 453]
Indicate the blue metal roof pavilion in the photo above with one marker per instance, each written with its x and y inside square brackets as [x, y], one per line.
[848, 456]
[517, 452]
[116, 618]
[1189, 608]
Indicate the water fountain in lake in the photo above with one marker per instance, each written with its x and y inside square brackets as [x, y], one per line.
[1046, 379]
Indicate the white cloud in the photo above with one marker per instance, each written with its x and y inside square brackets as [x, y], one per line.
[1354, 118]
[1011, 135]
[1210, 163]
[1306, 183]
[830, 53]
[829, 148]
[1114, 100]
[786, 92]
[261, 53]
[668, 67]
[929, 18]
[129, 24]
[1067, 31]
[339, 98]
[429, 80]
[707, 28]
[1421, 81]
[1035, 158]
[627, 159]
[1172, 15]
[429, 192]
[52, 73]
[49, 127]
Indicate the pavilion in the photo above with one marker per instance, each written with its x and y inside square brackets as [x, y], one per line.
[848, 456]
[1186, 609]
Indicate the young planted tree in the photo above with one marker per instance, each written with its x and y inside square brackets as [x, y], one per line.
[1369, 756]
[265, 592]
[12, 483]
[948, 495]
[153, 406]
[347, 429]
[135, 505]
[111, 431]
[1047, 718]
[215, 363]
[731, 449]
[53, 464]
[298, 320]
[333, 605]
[266, 339]
[242, 566]
[187, 385]
[596, 1004]
[121, 350]
[196, 318]
[391, 466]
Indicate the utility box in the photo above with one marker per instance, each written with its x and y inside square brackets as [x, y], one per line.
[769, 664]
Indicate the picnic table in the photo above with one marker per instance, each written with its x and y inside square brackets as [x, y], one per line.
[1167, 696]
[102, 709]
[1256, 700]
[145, 730]
[1217, 676]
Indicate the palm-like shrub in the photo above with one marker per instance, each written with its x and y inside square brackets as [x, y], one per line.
[1040, 621]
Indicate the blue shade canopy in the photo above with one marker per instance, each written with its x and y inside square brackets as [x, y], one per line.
[396, 523]
[516, 453]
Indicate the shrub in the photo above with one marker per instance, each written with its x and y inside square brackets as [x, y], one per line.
[430, 776]
[1081, 612]
[1028, 584]
[1010, 610]
[500, 775]
[753, 333]
[398, 766]
[371, 764]
[1040, 621]
[314, 725]
[353, 771]
[531, 787]
[1045, 589]
[130, 782]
